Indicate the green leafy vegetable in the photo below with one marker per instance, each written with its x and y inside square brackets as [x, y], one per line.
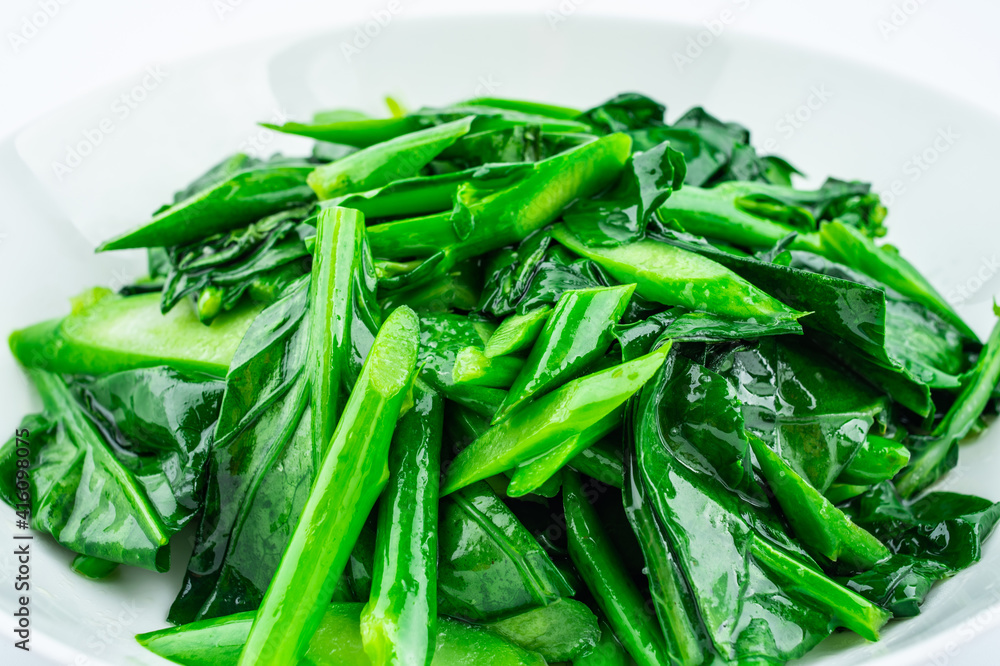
[347, 484]
[245, 197]
[117, 461]
[398, 624]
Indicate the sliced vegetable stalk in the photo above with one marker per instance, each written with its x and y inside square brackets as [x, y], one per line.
[350, 129]
[338, 251]
[550, 420]
[528, 477]
[107, 333]
[337, 642]
[935, 458]
[481, 222]
[378, 165]
[578, 332]
[353, 473]
[602, 461]
[421, 195]
[673, 276]
[816, 521]
[607, 578]
[517, 332]
[245, 197]
[474, 367]
[399, 623]
[879, 459]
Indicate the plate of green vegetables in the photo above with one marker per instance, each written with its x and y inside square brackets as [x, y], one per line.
[520, 374]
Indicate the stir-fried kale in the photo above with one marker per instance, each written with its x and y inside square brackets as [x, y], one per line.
[513, 383]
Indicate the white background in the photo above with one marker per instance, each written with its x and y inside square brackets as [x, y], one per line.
[52, 52]
[46, 61]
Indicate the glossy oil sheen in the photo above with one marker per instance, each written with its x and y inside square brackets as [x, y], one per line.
[117, 333]
[244, 198]
[337, 642]
[672, 276]
[578, 332]
[398, 625]
[350, 479]
[116, 461]
[548, 421]
[607, 578]
[491, 566]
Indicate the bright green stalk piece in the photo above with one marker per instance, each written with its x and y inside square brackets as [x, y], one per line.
[399, 623]
[352, 475]
[672, 276]
[93, 568]
[339, 246]
[378, 165]
[473, 367]
[114, 333]
[422, 195]
[360, 132]
[849, 246]
[244, 198]
[485, 221]
[337, 642]
[607, 578]
[672, 599]
[532, 475]
[579, 331]
[602, 461]
[523, 106]
[561, 631]
[840, 492]
[712, 212]
[517, 332]
[933, 460]
[850, 609]
[879, 459]
[550, 420]
[816, 521]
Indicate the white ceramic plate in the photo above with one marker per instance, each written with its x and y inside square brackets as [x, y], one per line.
[105, 162]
